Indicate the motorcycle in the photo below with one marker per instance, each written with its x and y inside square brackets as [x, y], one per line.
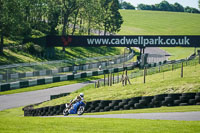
[77, 108]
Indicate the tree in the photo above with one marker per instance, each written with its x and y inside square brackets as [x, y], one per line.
[191, 10]
[164, 6]
[126, 5]
[178, 7]
[11, 22]
[112, 19]
[199, 4]
[141, 7]
[53, 14]
[68, 7]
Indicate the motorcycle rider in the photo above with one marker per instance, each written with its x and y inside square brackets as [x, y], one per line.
[78, 98]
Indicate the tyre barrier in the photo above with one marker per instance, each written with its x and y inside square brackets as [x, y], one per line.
[58, 96]
[177, 99]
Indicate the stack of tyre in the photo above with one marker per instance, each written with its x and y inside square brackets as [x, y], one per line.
[125, 104]
[144, 102]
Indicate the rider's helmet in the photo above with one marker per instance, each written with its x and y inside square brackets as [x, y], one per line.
[81, 95]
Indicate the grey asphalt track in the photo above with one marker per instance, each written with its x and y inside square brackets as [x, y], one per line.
[154, 50]
[33, 97]
[181, 116]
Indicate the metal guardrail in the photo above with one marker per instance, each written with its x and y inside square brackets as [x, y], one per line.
[39, 70]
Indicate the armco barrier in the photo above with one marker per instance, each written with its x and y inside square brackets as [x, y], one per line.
[84, 67]
[7, 86]
[124, 104]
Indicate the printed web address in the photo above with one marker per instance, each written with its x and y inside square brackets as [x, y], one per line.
[139, 41]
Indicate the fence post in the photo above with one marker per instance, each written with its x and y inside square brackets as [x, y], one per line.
[144, 75]
[113, 78]
[117, 77]
[108, 79]
[199, 55]
[199, 58]
[98, 84]
[159, 69]
[104, 81]
[182, 70]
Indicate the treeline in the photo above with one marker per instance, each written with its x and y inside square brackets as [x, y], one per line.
[162, 6]
[126, 5]
[20, 18]
[166, 6]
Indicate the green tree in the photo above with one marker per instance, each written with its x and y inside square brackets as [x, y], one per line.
[53, 14]
[178, 7]
[199, 4]
[11, 22]
[126, 5]
[68, 7]
[112, 19]
[116, 18]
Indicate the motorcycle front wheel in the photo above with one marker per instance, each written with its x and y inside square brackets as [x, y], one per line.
[81, 110]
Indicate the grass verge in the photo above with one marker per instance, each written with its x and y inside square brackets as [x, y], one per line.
[11, 121]
[179, 52]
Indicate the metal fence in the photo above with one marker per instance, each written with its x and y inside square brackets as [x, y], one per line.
[114, 78]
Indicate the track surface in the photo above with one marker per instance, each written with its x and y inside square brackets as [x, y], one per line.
[154, 50]
[33, 97]
[181, 116]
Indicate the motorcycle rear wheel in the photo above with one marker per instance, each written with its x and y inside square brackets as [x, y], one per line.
[65, 112]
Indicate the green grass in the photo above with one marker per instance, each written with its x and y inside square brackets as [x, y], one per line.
[162, 23]
[91, 125]
[11, 57]
[165, 82]
[180, 53]
[12, 120]
[159, 23]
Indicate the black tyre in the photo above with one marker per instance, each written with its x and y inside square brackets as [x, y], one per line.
[177, 102]
[116, 107]
[160, 97]
[80, 110]
[148, 98]
[65, 112]
[189, 95]
[107, 108]
[174, 96]
[127, 107]
[183, 104]
[192, 101]
[197, 98]
[184, 99]
[198, 94]
[136, 99]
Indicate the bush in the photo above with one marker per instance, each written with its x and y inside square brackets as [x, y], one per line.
[33, 49]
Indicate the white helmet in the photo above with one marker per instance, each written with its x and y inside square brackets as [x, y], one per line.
[81, 95]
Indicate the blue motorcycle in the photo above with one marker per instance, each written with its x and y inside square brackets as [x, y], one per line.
[77, 108]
